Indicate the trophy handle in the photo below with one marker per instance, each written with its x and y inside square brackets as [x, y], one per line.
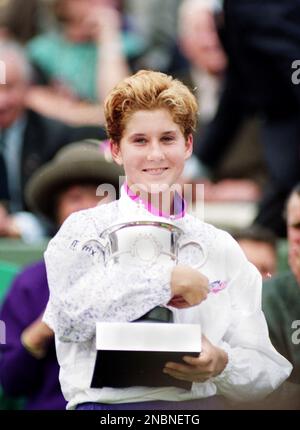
[94, 246]
[197, 245]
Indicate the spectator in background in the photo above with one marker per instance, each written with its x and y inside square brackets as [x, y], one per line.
[241, 160]
[83, 60]
[281, 294]
[261, 40]
[156, 21]
[28, 365]
[259, 246]
[27, 141]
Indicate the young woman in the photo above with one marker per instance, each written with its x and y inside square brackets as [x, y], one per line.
[150, 119]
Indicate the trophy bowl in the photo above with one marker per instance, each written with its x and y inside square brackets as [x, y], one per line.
[144, 241]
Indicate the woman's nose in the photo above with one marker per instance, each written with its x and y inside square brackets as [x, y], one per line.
[156, 152]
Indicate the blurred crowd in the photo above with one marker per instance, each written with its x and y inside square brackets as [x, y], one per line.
[60, 58]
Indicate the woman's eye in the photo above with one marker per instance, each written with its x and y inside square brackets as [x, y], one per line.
[168, 139]
[140, 141]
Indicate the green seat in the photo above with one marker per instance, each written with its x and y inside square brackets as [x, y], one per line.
[7, 273]
[19, 253]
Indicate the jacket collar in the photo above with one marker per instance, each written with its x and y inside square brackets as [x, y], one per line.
[129, 202]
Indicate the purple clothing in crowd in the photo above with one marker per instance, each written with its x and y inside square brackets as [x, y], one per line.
[20, 373]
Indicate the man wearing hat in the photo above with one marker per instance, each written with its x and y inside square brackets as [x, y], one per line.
[83, 165]
[28, 365]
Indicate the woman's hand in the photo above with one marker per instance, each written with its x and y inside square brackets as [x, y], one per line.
[211, 362]
[189, 287]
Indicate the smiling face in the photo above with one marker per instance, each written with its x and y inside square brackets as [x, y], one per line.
[152, 150]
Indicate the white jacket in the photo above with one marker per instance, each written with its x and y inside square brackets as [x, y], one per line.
[83, 291]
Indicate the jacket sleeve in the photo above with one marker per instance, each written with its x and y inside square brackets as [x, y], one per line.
[84, 291]
[255, 368]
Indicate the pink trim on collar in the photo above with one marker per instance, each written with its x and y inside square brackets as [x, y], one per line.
[180, 205]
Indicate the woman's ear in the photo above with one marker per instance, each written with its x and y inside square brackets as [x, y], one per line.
[188, 146]
[116, 152]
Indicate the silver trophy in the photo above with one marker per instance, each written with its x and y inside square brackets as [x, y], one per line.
[144, 240]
